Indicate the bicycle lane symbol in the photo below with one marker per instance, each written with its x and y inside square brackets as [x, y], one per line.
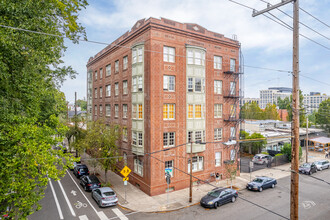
[79, 204]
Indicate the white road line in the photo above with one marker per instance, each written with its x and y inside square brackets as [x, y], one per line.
[83, 217]
[56, 201]
[84, 196]
[102, 216]
[66, 198]
[119, 214]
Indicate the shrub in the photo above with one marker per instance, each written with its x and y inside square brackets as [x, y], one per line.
[287, 151]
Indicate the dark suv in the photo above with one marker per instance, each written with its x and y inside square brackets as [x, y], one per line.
[308, 168]
[90, 182]
[80, 170]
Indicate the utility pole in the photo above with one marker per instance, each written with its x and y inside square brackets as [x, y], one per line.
[307, 140]
[295, 104]
[75, 116]
[191, 183]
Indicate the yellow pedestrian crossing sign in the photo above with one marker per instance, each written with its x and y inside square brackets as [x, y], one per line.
[125, 178]
[125, 171]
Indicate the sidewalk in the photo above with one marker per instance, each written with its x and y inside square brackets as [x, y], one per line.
[136, 200]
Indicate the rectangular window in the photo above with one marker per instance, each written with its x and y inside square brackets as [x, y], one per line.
[217, 62]
[134, 56]
[108, 90]
[198, 111]
[217, 86]
[198, 84]
[95, 75]
[190, 111]
[125, 89]
[134, 138]
[95, 93]
[196, 57]
[108, 70]
[140, 55]
[169, 167]
[218, 110]
[134, 84]
[217, 134]
[232, 111]
[101, 92]
[232, 88]
[134, 111]
[138, 167]
[198, 136]
[101, 110]
[107, 110]
[125, 62]
[124, 110]
[233, 133]
[217, 159]
[140, 111]
[116, 110]
[190, 57]
[169, 54]
[101, 73]
[125, 134]
[116, 89]
[116, 66]
[169, 111]
[95, 110]
[190, 136]
[197, 164]
[232, 65]
[140, 85]
[140, 139]
[169, 83]
[168, 139]
[190, 85]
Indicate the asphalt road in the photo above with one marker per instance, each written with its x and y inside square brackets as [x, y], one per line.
[314, 203]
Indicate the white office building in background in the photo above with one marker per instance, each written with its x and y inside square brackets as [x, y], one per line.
[271, 95]
[312, 101]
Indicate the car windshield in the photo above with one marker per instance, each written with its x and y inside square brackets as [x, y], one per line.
[214, 193]
[257, 180]
[83, 170]
[318, 163]
[93, 179]
[306, 165]
[109, 193]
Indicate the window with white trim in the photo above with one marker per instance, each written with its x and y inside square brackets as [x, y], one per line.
[169, 54]
[140, 54]
[124, 110]
[232, 88]
[195, 111]
[125, 62]
[217, 159]
[169, 111]
[108, 90]
[101, 73]
[196, 56]
[196, 136]
[95, 75]
[217, 62]
[125, 89]
[232, 65]
[218, 110]
[134, 85]
[169, 167]
[196, 84]
[95, 93]
[101, 92]
[124, 133]
[107, 110]
[95, 110]
[116, 89]
[138, 167]
[217, 86]
[197, 164]
[137, 138]
[137, 111]
[116, 110]
[169, 83]
[218, 134]
[232, 154]
[140, 83]
[232, 132]
[116, 66]
[108, 70]
[101, 110]
[168, 139]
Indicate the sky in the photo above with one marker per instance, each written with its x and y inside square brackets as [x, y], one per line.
[265, 44]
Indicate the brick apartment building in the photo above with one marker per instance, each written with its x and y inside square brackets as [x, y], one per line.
[167, 84]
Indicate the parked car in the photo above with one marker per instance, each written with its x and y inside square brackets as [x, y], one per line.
[218, 196]
[308, 168]
[261, 183]
[322, 164]
[262, 158]
[104, 196]
[90, 182]
[80, 170]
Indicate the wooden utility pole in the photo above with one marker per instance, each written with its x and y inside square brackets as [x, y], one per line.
[295, 105]
[307, 140]
[191, 183]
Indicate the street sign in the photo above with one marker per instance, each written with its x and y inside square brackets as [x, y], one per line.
[251, 164]
[125, 178]
[125, 171]
[125, 184]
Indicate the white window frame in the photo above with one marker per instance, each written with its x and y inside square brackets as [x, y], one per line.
[108, 90]
[140, 83]
[232, 132]
[116, 89]
[217, 110]
[218, 87]
[125, 62]
[218, 62]
[168, 139]
[125, 110]
[125, 135]
[168, 111]
[108, 70]
[134, 55]
[192, 85]
[101, 73]
[101, 92]
[95, 75]
[232, 154]
[232, 65]
[116, 110]
[218, 134]
[125, 88]
[138, 166]
[169, 83]
[217, 158]
[95, 110]
[197, 164]
[140, 55]
[117, 66]
[169, 54]
[107, 110]
[101, 110]
[134, 84]
[232, 88]
[95, 93]
[196, 57]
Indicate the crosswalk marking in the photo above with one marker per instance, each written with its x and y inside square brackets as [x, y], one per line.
[83, 217]
[102, 216]
[119, 214]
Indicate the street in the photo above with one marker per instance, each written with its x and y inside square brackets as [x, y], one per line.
[314, 202]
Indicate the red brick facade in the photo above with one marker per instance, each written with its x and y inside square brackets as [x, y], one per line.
[155, 34]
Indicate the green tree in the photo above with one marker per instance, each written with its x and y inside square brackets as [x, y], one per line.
[82, 104]
[287, 150]
[302, 118]
[253, 146]
[231, 171]
[30, 77]
[283, 103]
[271, 112]
[251, 111]
[312, 118]
[100, 141]
[323, 115]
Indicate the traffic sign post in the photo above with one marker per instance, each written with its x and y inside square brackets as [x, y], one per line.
[125, 172]
[168, 181]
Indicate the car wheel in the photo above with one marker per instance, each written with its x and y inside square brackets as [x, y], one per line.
[260, 189]
[85, 188]
[309, 173]
[320, 168]
[273, 185]
[99, 203]
[215, 205]
[233, 199]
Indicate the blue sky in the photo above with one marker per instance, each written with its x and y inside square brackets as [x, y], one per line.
[264, 43]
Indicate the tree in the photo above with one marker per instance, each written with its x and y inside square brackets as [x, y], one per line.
[283, 103]
[82, 104]
[30, 77]
[323, 115]
[251, 111]
[231, 170]
[255, 146]
[100, 141]
[271, 112]
[302, 118]
[287, 150]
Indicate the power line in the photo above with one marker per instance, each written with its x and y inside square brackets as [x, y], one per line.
[314, 17]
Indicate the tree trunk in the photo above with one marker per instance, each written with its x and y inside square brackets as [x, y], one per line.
[250, 149]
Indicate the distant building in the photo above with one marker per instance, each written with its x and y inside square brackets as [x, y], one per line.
[249, 100]
[271, 95]
[312, 101]
[283, 113]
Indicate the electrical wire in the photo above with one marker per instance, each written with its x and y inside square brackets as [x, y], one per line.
[314, 17]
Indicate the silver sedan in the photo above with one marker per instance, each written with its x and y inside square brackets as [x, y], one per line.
[322, 164]
[105, 196]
